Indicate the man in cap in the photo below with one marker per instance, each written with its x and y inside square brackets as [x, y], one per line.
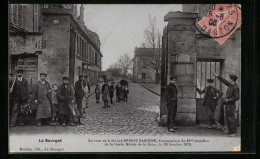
[19, 96]
[232, 95]
[42, 96]
[210, 101]
[79, 93]
[65, 97]
[171, 100]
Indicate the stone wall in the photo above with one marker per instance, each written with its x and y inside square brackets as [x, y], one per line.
[54, 59]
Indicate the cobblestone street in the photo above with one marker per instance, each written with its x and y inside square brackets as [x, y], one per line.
[136, 117]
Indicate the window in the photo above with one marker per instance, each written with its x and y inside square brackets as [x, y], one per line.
[17, 14]
[86, 51]
[36, 18]
[143, 75]
[143, 64]
[83, 51]
[205, 70]
[76, 44]
[89, 53]
[79, 69]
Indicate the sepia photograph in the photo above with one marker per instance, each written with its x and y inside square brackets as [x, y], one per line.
[124, 78]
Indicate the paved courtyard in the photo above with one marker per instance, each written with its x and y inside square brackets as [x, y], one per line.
[136, 117]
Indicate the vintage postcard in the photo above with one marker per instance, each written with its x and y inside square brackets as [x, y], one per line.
[124, 78]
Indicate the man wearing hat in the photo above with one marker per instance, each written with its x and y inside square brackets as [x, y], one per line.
[65, 97]
[19, 91]
[79, 93]
[210, 101]
[232, 95]
[42, 96]
[171, 99]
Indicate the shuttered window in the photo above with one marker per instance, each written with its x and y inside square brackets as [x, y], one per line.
[36, 18]
[17, 14]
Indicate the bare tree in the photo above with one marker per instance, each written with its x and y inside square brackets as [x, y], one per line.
[115, 70]
[152, 41]
[125, 63]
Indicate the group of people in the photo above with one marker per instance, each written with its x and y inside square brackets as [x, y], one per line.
[107, 91]
[212, 94]
[56, 105]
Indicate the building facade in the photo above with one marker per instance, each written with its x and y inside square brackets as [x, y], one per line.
[58, 44]
[142, 72]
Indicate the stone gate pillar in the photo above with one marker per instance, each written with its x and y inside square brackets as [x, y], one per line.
[181, 62]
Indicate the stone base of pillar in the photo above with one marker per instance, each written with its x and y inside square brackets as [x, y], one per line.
[186, 114]
[162, 121]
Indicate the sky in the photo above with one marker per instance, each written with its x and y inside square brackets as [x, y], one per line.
[121, 27]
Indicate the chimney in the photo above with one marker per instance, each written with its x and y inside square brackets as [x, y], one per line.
[75, 11]
[81, 14]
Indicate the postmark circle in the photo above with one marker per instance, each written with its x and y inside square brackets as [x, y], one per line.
[225, 26]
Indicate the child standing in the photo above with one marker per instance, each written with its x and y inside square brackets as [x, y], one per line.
[117, 91]
[126, 91]
[111, 92]
[105, 94]
[54, 106]
[97, 92]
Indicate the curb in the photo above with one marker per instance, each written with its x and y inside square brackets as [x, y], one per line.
[150, 90]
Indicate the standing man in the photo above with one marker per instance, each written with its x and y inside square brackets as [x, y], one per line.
[42, 96]
[210, 101]
[171, 99]
[19, 96]
[65, 97]
[86, 94]
[79, 93]
[232, 95]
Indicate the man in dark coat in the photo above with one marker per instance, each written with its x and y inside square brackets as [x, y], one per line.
[171, 99]
[19, 96]
[79, 93]
[42, 96]
[65, 97]
[210, 100]
[232, 95]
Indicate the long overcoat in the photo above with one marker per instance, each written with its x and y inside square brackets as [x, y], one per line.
[42, 94]
[65, 96]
